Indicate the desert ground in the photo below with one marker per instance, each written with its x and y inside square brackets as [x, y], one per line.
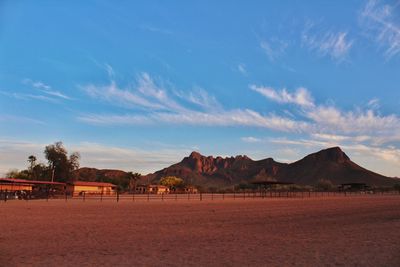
[329, 231]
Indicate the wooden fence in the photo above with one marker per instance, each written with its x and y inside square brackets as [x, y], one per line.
[243, 195]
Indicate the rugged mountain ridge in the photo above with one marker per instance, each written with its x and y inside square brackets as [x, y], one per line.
[207, 171]
[331, 164]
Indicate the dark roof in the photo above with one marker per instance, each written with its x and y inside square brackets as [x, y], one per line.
[271, 183]
[83, 183]
[157, 185]
[30, 182]
[355, 184]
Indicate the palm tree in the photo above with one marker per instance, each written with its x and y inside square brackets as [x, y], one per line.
[133, 178]
[32, 161]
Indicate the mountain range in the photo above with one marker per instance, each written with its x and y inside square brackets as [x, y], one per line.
[329, 164]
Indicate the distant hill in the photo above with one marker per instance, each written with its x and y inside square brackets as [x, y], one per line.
[331, 164]
[116, 177]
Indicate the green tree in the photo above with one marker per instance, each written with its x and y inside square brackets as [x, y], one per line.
[61, 167]
[41, 172]
[172, 182]
[16, 174]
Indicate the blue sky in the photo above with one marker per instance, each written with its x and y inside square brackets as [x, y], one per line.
[137, 86]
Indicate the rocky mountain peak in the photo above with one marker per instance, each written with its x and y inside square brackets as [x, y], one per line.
[333, 154]
[195, 155]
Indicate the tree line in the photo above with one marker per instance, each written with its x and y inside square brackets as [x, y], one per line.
[59, 167]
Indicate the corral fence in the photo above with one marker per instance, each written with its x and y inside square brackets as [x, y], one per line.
[245, 194]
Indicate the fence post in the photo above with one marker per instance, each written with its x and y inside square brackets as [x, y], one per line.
[84, 196]
[5, 195]
[133, 197]
[117, 195]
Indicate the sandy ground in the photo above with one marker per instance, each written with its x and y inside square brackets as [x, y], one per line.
[330, 231]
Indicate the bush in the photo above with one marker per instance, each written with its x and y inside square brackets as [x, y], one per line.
[324, 185]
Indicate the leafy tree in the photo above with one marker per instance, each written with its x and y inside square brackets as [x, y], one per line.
[60, 165]
[41, 172]
[172, 182]
[16, 174]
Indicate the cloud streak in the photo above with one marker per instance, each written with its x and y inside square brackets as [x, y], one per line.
[273, 48]
[149, 103]
[238, 118]
[381, 22]
[336, 45]
[159, 107]
[301, 97]
[46, 89]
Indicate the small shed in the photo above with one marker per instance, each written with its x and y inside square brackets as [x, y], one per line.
[12, 185]
[33, 188]
[353, 187]
[78, 188]
[157, 189]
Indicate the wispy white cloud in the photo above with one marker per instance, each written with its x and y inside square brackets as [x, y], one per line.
[219, 119]
[382, 22]
[23, 96]
[113, 94]
[251, 139]
[329, 43]
[273, 48]
[300, 97]
[19, 119]
[203, 99]
[144, 94]
[242, 69]
[148, 88]
[358, 121]
[358, 125]
[110, 71]
[161, 108]
[374, 103]
[340, 138]
[46, 89]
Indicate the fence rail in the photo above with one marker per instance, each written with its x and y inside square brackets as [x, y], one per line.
[7, 195]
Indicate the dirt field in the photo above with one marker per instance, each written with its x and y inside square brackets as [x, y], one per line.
[344, 231]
